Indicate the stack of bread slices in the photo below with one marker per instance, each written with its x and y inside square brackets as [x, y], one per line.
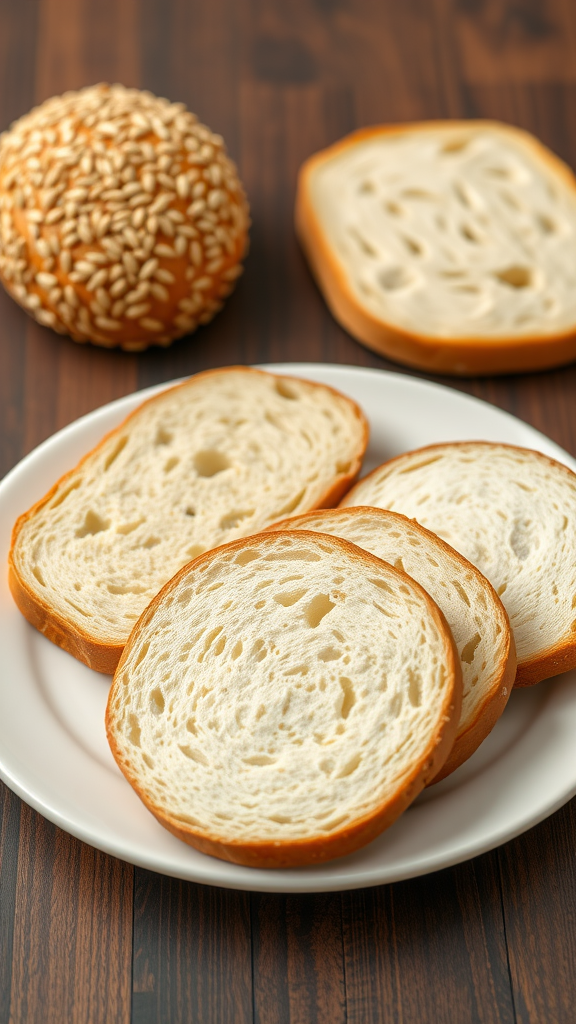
[290, 675]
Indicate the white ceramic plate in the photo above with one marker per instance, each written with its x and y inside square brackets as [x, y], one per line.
[53, 750]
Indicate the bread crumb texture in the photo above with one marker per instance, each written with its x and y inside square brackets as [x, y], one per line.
[474, 613]
[452, 231]
[122, 219]
[281, 689]
[203, 463]
[510, 511]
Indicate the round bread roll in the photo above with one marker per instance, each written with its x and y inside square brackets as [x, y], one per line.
[122, 219]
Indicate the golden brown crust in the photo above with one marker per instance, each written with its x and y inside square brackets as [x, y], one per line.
[316, 850]
[495, 700]
[104, 657]
[562, 656]
[460, 356]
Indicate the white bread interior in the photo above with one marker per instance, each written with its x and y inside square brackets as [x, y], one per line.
[452, 230]
[283, 698]
[473, 611]
[219, 457]
[509, 511]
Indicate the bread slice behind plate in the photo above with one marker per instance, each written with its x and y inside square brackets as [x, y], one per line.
[509, 511]
[284, 698]
[473, 610]
[218, 457]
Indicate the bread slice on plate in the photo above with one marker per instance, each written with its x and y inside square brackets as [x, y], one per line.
[446, 245]
[219, 457]
[509, 511]
[284, 698]
[473, 610]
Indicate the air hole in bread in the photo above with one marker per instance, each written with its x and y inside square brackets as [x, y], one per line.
[38, 574]
[134, 731]
[329, 654]
[125, 588]
[469, 234]
[413, 467]
[237, 650]
[259, 650]
[126, 528]
[77, 607]
[193, 754]
[286, 600]
[286, 390]
[414, 688]
[413, 247]
[319, 607]
[281, 819]
[210, 462]
[395, 705]
[348, 696]
[115, 453]
[194, 550]
[151, 542]
[394, 278]
[93, 523]
[141, 654]
[546, 224]
[209, 640]
[259, 760]
[418, 193]
[62, 497]
[394, 208]
[157, 702]
[498, 172]
[365, 246]
[163, 436]
[298, 670]
[382, 585]
[469, 649]
[521, 539]
[457, 145]
[462, 193]
[293, 555]
[243, 557]
[234, 518]
[350, 766]
[343, 467]
[515, 276]
[367, 187]
[171, 463]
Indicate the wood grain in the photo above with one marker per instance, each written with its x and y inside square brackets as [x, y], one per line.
[85, 938]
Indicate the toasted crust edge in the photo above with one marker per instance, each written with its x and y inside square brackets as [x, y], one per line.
[81, 644]
[488, 712]
[314, 850]
[561, 657]
[458, 356]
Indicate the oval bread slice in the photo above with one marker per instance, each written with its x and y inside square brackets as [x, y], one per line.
[219, 457]
[446, 245]
[473, 611]
[284, 699]
[509, 511]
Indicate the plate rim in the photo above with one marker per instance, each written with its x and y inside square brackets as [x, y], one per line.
[246, 879]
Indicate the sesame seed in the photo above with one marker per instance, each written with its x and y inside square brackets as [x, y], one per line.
[99, 278]
[94, 256]
[196, 208]
[164, 250]
[183, 186]
[84, 267]
[130, 263]
[166, 226]
[138, 217]
[137, 294]
[46, 281]
[33, 301]
[180, 245]
[185, 323]
[35, 216]
[196, 254]
[151, 325]
[70, 295]
[215, 265]
[103, 298]
[116, 271]
[152, 224]
[119, 287]
[97, 309]
[135, 312]
[46, 318]
[43, 249]
[148, 269]
[103, 225]
[202, 283]
[162, 202]
[54, 215]
[107, 324]
[148, 182]
[159, 292]
[232, 273]
[131, 237]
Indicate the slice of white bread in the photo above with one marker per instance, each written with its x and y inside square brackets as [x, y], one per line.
[509, 511]
[446, 245]
[219, 457]
[284, 699]
[473, 610]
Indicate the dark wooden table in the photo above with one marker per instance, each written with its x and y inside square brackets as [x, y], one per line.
[90, 940]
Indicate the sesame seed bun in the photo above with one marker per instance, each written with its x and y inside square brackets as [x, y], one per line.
[122, 219]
